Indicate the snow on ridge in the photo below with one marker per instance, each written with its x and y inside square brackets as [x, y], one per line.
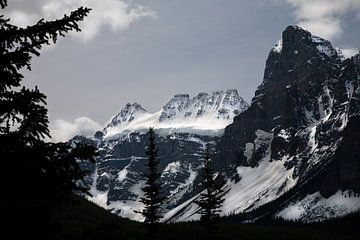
[206, 126]
[205, 114]
[217, 105]
[127, 114]
[323, 46]
[315, 208]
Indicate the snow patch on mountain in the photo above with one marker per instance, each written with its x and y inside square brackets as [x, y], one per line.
[324, 46]
[123, 208]
[256, 187]
[188, 211]
[314, 207]
[278, 46]
[97, 197]
[172, 167]
[182, 188]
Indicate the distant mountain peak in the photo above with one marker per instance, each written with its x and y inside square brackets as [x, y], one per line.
[204, 112]
[298, 41]
[177, 104]
[127, 114]
[219, 105]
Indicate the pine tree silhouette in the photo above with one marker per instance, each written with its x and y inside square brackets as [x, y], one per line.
[152, 197]
[211, 199]
[34, 168]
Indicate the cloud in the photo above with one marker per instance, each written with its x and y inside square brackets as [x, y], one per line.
[116, 15]
[22, 19]
[349, 52]
[62, 130]
[323, 17]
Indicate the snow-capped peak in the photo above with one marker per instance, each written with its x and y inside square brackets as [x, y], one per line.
[218, 105]
[127, 114]
[178, 103]
[204, 112]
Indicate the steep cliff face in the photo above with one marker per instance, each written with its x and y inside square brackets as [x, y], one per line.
[344, 172]
[292, 90]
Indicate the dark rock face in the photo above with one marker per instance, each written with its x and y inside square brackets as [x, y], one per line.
[344, 172]
[121, 165]
[309, 101]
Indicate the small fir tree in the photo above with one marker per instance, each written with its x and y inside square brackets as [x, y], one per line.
[211, 199]
[152, 198]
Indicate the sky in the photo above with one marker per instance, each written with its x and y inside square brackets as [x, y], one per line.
[147, 51]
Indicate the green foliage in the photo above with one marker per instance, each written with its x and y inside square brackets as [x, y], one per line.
[152, 198]
[33, 167]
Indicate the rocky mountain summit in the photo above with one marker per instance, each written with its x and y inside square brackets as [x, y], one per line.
[202, 114]
[219, 105]
[127, 114]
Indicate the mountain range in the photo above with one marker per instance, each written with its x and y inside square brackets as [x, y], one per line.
[293, 153]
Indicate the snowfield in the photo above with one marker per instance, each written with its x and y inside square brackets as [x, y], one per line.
[315, 208]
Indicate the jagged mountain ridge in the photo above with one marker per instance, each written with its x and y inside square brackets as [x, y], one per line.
[204, 111]
[298, 139]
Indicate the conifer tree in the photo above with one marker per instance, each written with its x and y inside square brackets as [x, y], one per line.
[152, 196]
[32, 167]
[211, 199]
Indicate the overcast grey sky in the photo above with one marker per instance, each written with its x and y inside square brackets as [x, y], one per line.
[147, 51]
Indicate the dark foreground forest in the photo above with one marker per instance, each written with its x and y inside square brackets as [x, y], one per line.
[76, 218]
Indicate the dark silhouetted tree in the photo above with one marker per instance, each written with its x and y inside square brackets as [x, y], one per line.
[33, 168]
[152, 198]
[211, 199]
